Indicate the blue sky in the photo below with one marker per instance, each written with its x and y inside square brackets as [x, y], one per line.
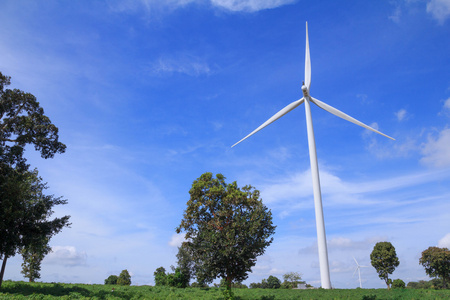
[148, 95]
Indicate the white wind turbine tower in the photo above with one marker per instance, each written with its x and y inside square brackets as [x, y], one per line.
[358, 268]
[307, 99]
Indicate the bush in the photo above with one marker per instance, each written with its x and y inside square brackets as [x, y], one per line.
[398, 284]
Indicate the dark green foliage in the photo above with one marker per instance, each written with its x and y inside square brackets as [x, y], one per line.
[226, 228]
[398, 284]
[160, 277]
[435, 284]
[185, 263]
[124, 278]
[384, 259]
[112, 279]
[25, 211]
[177, 279]
[273, 282]
[436, 262]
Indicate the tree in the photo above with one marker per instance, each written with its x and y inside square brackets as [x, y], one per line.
[185, 262]
[160, 276]
[22, 123]
[398, 284]
[124, 278]
[26, 210]
[112, 279]
[273, 282]
[177, 279]
[226, 228]
[291, 280]
[436, 262]
[384, 259]
[32, 255]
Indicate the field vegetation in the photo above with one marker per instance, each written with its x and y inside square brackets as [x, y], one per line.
[26, 290]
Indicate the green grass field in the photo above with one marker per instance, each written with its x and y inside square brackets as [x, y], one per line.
[24, 290]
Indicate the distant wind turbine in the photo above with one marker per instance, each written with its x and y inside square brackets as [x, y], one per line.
[307, 99]
[358, 268]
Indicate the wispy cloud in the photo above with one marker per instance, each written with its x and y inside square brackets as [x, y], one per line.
[439, 9]
[183, 64]
[436, 150]
[250, 5]
[152, 6]
[402, 115]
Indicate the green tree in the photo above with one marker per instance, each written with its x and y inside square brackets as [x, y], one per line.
[32, 255]
[273, 282]
[384, 259]
[436, 262]
[291, 280]
[112, 279]
[398, 284]
[124, 278]
[177, 279]
[185, 262]
[160, 277]
[22, 123]
[226, 227]
[25, 222]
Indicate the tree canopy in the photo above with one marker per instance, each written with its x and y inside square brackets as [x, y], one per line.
[226, 228]
[436, 262]
[384, 259]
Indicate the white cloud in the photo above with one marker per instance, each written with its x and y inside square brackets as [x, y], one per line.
[67, 256]
[445, 241]
[250, 5]
[402, 115]
[176, 240]
[184, 64]
[436, 151]
[151, 6]
[439, 9]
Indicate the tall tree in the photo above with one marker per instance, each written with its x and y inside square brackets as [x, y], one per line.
[436, 262]
[32, 255]
[22, 123]
[384, 259]
[226, 228]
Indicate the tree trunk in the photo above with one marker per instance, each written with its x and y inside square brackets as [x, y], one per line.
[3, 270]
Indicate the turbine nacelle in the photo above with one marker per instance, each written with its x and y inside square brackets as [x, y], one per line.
[305, 91]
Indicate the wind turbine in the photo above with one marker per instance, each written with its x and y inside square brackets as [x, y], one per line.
[358, 268]
[307, 99]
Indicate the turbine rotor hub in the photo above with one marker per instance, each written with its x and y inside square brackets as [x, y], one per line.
[305, 91]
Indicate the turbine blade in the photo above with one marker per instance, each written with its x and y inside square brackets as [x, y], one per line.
[355, 261]
[344, 116]
[307, 61]
[275, 117]
[354, 272]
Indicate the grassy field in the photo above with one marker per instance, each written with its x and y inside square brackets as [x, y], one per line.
[24, 290]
